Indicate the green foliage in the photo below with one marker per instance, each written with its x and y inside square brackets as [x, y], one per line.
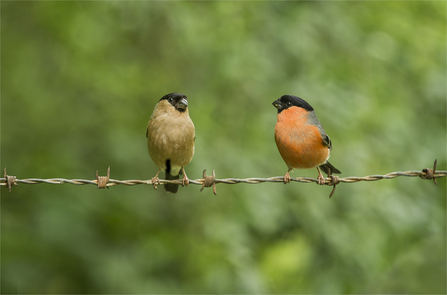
[80, 80]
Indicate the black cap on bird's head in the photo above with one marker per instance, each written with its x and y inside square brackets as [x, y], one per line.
[287, 101]
[177, 100]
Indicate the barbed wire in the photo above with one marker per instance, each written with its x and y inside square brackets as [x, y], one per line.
[208, 181]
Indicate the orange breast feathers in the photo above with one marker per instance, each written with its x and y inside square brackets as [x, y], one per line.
[299, 142]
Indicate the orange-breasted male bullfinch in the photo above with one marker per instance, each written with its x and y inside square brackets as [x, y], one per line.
[170, 138]
[300, 138]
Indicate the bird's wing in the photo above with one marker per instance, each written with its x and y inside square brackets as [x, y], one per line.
[327, 141]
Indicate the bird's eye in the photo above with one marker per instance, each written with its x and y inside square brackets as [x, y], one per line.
[288, 104]
[170, 100]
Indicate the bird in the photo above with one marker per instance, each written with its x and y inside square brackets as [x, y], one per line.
[300, 137]
[170, 138]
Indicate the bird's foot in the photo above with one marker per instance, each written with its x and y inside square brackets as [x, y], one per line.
[321, 180]
[287, 178]
[185, 180]
[155, 180]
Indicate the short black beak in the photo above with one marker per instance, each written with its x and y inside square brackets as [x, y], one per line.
[277, 104]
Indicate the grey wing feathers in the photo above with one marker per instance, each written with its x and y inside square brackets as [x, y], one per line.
[312, 117]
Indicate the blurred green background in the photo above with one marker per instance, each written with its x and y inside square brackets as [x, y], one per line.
[80, 81]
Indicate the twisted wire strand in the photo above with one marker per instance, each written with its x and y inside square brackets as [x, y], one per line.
[256, 180]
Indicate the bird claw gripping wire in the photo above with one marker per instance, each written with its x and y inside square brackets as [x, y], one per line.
[430, 173]
[9, 180]
[103, 180]
[209, 181]
[155, 181]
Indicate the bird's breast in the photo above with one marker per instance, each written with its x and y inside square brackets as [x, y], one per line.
[171, 139]
[299, 142]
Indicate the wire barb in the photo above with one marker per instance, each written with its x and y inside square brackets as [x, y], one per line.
[103, 180]
[428, 173]
[9, 180]
[209, 181]
[334, 181]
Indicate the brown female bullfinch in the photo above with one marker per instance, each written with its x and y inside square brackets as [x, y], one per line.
[170, 138]
[300, 138]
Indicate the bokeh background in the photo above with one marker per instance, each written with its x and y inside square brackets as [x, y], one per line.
[79, 83]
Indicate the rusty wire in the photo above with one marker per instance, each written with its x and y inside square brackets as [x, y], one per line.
[211, 181]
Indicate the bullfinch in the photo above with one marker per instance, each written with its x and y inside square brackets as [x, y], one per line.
[300, 138]
[170, 138]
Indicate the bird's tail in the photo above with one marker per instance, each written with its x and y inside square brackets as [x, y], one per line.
[327, 166]
[170, 187]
